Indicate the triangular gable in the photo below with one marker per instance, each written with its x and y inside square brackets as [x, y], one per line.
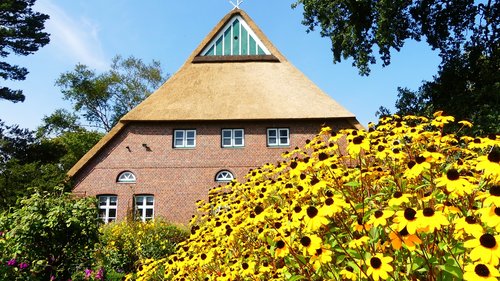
[236, 38]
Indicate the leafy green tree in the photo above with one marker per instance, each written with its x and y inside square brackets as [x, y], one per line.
[53, 234]
[102, 99]
[21, 33]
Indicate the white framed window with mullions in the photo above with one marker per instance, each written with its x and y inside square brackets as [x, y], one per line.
[107, 207]
[184, 138]
[144, 206]
[278, 137]
[233, 138]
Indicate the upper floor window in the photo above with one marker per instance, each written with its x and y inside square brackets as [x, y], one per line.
[233, 138]
[184, 138]
[144, 206]
[126, 177]
[107, 207]
[278, 137]
[224, 176]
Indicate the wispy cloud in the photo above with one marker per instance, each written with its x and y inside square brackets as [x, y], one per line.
[76, 38]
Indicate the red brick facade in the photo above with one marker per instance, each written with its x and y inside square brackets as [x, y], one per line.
[179, 177]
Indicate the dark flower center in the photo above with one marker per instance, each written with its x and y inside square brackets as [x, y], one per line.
[297, 209]
[477, 140]
[411, 164]
[404, 232]
[428, 212]
[452, 174]
[203, 256]
[319, 251]
[380, 148]
[497, 211]
[293, 165]
[329, 193]
[329, 201]
[488, 241]
[312, 211]
[420, 159]
[258, 210]
[410, 214]
[482, 270]
[375, 262]
[494, 156]
[397, 194]
[470, 220]
[277, 225]
[314, 181]
[378, 213]
[305, 241]
[495, 190]
[350, 269]
[244, 265]
[395, 151]
[280, 244]
[357, 140]
[322, 156]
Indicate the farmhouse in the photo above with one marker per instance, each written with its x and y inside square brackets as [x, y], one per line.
[234, 105]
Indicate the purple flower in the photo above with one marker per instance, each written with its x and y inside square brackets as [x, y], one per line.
[88, 273]
[100, 274]
[52, 278]
[23, 265]
[12, 262]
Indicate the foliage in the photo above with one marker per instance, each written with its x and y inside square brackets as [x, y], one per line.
[402, 201]
[104, 98]
[50, 235]
[21, 33]
[124, 244]
[357, 27]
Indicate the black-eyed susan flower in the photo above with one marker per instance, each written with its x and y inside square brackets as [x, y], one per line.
[359, 226]
[491, 216]
[310, 243]
[379, 267]
[314, 219]
[357, 144]
[399, 198]
[403, 237]
[281, 249]
[348, 274]
[379, 217]
[440, 120]
[247, 268]
[408, 219]
[358, 242]
[417, 167]
[322, 256]
[455, 183]
[467, 225]
[480, 271]
[430, 220]
[493, 198]
[490, 164]
[485, 248]
[332, 205]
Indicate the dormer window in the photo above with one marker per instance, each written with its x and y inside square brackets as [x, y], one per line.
[224, 176]
[126, 177]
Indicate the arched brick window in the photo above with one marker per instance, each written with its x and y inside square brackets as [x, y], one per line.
[126, 177]
[224, 176]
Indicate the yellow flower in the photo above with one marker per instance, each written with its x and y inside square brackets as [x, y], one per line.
[378, 267]
[281, 248]
[417, 167]
[357, 243]
[358, 225]
[440, 121]
[429, 220]
[491, 216]
[314, 219]
[454, 183]
[407, 218]
[467, 225]
[349, 274]
[310, 243]
[490, 164]
[380, 217]
[322, 256]
[485, 249]
[399, 198]
[480, 271]
[493, 198]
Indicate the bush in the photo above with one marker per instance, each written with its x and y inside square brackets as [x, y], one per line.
[123, 245]
[48, 237]
[403, 201]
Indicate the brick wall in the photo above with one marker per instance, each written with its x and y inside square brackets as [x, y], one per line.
[179, 177]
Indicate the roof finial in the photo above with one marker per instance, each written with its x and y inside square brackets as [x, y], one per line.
[237, 5]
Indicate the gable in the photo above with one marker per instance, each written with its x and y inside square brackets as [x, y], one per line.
[236, 38]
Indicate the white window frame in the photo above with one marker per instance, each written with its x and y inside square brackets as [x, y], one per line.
[184, 138]
[108, 207]
[224, 176]
[141, 210]
[232, 138]
[126, 177]
[276, 140]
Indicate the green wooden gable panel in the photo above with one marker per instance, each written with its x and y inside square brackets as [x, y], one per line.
[235, 39]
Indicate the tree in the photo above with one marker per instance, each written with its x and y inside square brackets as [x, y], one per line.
[465, 32]
[102, 99]
[21, 33]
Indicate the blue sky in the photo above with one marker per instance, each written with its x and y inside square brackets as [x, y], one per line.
[93, 31]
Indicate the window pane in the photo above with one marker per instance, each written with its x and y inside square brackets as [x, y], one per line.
[238, 141]
[226, 133]
[102, 200]
[226, 142]
[102, 213]
[112, 201]
[271, 132]
[149, 200]
[190, 134]
[190, 142]
[179, 134]
[178, 143]
[149, 213]
[283, 133]
[238, 133]
[139, 200]
[112, 213]
[283, 140]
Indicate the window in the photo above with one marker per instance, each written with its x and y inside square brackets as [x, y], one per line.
[278, 137]
[233, 138]
[107, 207]
[184, 138]
[224, 176]
[126, 177]
[144, 207]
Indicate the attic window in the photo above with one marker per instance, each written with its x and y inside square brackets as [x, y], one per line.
[224, 176]
[235, 39]
[126, 177]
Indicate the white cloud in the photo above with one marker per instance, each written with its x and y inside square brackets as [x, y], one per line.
[77, 39]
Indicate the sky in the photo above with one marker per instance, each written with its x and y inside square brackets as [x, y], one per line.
[92, 32]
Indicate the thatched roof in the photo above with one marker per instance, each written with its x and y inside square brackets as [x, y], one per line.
[256, 87]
